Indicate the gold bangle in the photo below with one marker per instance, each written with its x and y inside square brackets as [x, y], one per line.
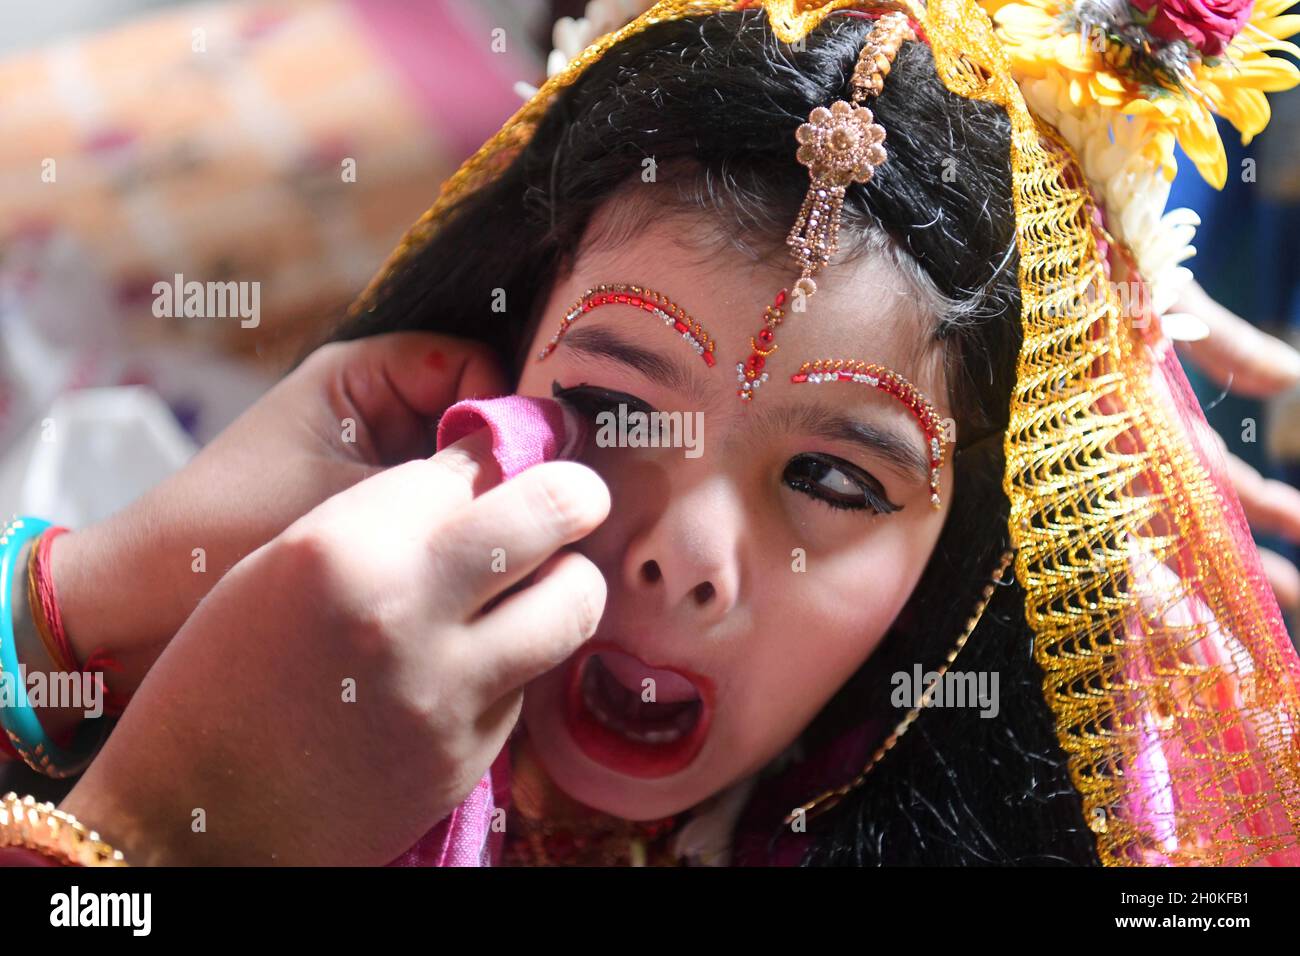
[39, 826]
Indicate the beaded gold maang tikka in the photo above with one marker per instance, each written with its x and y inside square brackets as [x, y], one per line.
[840, 145]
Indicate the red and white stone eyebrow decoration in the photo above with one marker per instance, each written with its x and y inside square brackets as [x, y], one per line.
[890, 382]
[655, 303]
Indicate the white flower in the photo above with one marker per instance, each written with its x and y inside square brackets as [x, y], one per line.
[572, 36]
[1130, 187]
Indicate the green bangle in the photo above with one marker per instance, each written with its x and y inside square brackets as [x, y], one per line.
[18, 719]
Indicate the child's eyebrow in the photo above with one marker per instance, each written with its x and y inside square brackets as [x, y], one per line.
[605, 343]
[816, 418]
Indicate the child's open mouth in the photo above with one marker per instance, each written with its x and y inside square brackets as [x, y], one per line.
[640, 720]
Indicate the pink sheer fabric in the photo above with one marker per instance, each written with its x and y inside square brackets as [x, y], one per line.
[1211, 714]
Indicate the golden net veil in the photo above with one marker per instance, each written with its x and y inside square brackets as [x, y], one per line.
[1174, 686]
[1166, 663]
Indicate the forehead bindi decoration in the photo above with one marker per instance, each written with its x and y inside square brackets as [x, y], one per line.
[655, 303]
[749, 373]
[890, 382]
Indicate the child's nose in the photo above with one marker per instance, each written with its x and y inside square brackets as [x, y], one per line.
[688, 553]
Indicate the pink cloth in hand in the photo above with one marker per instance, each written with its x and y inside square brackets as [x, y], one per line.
[525, 432]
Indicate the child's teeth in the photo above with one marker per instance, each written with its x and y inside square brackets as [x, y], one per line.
[595, 706]
[651, 736]
[616, 723]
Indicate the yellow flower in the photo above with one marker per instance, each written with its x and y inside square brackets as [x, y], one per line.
[1234, 88]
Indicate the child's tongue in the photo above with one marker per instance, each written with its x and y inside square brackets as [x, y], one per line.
[669, 686]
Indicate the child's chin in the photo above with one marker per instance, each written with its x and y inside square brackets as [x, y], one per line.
[587, 781]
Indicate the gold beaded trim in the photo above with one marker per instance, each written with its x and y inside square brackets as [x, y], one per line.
[39, 826]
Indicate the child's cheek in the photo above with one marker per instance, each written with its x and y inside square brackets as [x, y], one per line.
[815, 628]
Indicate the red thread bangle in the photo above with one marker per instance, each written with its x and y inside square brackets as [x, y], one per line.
[97, 663]
[47, 597]
[56, 654]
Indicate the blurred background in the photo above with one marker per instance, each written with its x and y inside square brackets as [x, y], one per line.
[289, 144]
[284, 142]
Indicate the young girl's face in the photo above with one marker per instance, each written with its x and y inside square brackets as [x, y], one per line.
[750, 575]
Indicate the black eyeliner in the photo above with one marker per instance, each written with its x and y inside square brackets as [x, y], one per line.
[592, 398]
[875, 500]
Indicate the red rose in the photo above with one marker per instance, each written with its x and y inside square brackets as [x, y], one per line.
[1208, 25]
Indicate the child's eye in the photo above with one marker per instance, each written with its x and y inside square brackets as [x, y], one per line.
[837, 483]
[591, 400]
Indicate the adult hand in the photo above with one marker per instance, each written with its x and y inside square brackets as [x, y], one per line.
[1247, 362]
[342, 688]
[1236, 355]
[1271, 507]
[127, 584]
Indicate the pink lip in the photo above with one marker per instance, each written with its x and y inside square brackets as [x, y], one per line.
[615, 751]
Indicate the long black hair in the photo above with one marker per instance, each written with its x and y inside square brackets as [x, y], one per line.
[716, 99]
